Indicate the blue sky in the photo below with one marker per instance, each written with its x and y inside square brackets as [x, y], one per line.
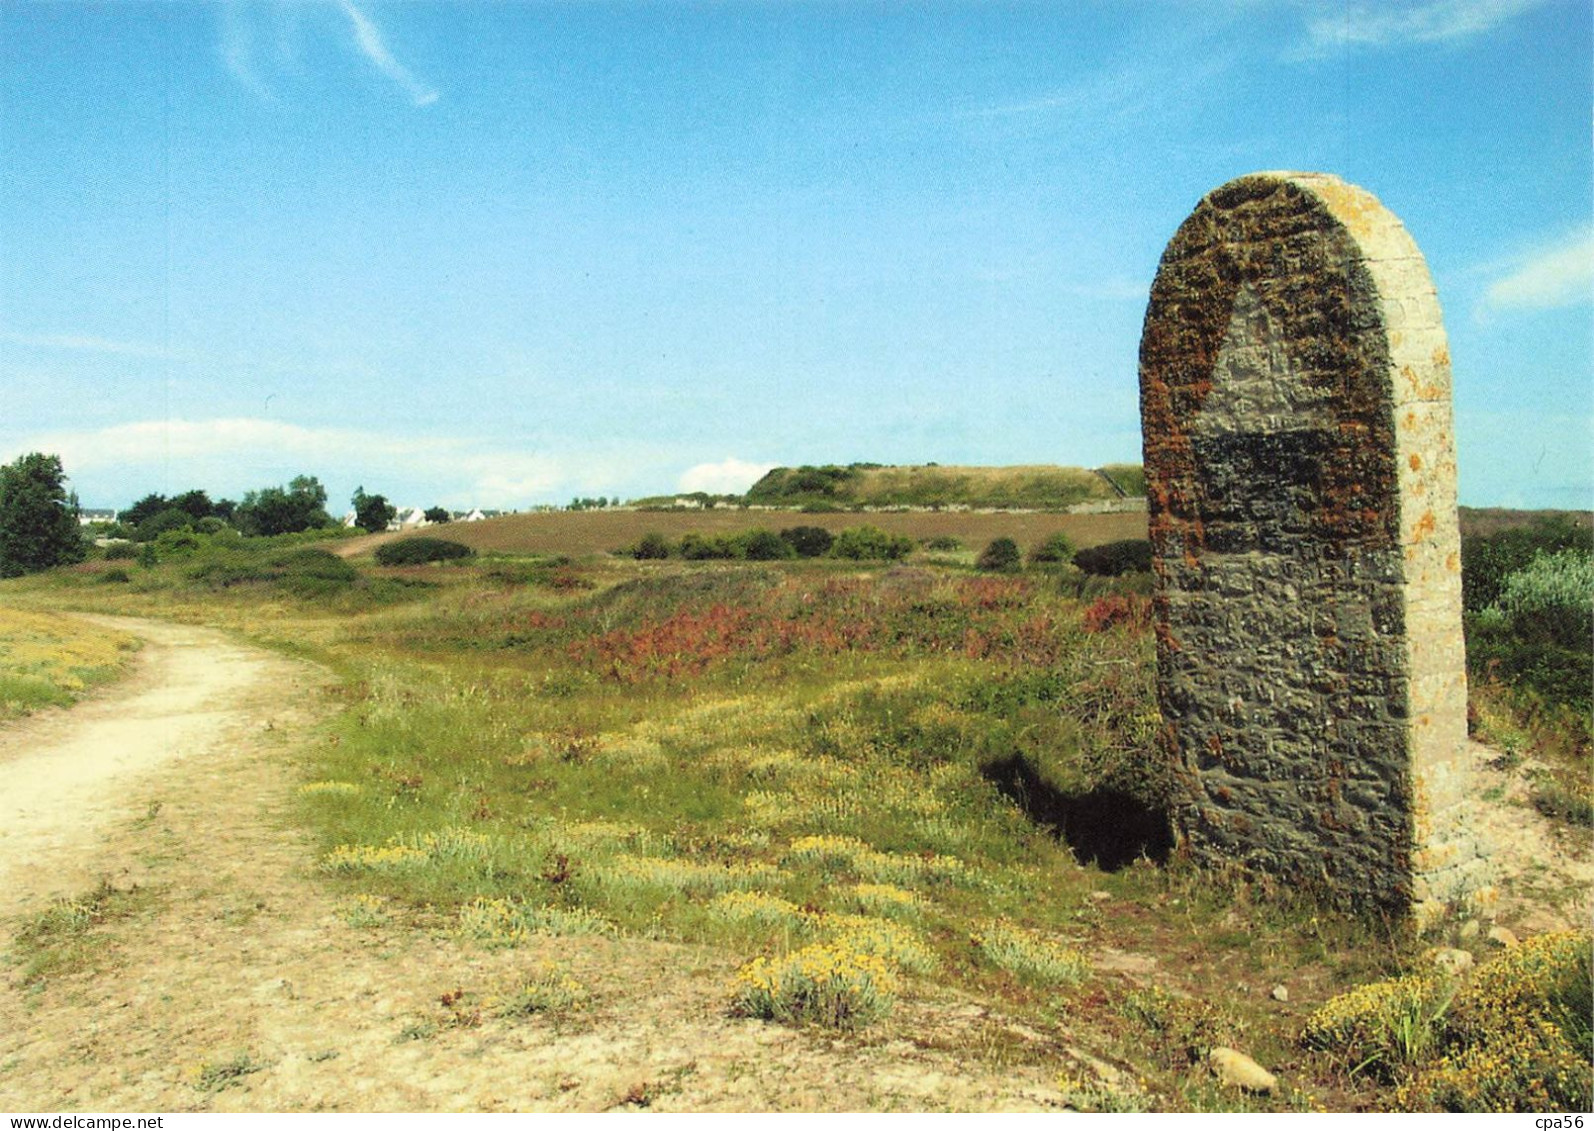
[500, 254]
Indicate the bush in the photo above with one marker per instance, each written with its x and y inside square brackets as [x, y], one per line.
[1112, 559]
[114, 577]
[870, 543]
[706, 547]
[1001, 556]
[808, 541]
[416, 551]
[765, 546]
[1487, 561]
[1056, 550]
[121, 552]
[652, 547]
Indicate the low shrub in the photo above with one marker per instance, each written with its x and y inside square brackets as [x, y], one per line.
[1055, 550]
[870, 543]
[808, 541]
[417, 551]
[828, 984]
[1001, 556]
[652, 547]
[121, 552]
[1111, 559]
[765, 546]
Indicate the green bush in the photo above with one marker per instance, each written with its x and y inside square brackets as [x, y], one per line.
[809, 541]
[765, 546]
[652, 547]
[1001, 556]
[1055, 550]
[1487, 561]
[417, 551]
[706, 547]
[870, 543]
[121, 552]
[1112, 559]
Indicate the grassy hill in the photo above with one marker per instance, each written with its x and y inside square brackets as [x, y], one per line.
[1035, 487]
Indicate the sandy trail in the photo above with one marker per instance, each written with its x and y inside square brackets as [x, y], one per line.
[69, 774]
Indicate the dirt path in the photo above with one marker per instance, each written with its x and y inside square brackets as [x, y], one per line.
[226, 976]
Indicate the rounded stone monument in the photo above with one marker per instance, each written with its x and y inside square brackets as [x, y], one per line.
[1295, 401]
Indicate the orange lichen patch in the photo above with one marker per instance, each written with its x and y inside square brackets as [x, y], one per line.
[1359, 211]
[1453, 563]
[1425, 527]
[1416, 462]
[1441, 357]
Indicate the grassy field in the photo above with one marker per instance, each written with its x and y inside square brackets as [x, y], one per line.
[871, 785]
[49, 661]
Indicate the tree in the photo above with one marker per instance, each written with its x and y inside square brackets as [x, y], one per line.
[438, 515]
[147, 507]
[302, 506]
[38, 518]
[372, 512]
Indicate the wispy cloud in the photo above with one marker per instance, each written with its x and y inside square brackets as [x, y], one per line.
[729, 476]
[258, 45]
[368, 37]
[1561, 274]
[1386, 24]
[84, 343]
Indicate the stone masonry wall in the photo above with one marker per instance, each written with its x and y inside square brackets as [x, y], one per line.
[1295, 396]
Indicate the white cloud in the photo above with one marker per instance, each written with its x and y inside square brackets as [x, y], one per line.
[1383, 24]
[369, 39]
[730, 476]
[1561, 275]
[87, 343]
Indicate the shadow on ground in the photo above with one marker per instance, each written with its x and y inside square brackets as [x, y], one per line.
[1104, 827]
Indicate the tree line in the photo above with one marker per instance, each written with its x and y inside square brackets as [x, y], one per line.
[40, 527]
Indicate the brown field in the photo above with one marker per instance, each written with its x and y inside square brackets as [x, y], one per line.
[590, 532]
[596, 532]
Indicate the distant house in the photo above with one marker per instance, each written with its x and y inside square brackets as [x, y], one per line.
[473, 516]
[87, 516]
[408, 518]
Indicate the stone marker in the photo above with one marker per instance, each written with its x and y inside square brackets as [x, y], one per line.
[1295, 402]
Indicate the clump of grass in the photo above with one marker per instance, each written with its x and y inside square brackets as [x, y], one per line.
[1030, 955]
[832, 985]
[761, 909]
[631, 872]
[1382, 1027]
[897, 944]
[555, 991]
[217, 1076]
[509, 922]
[65, 937]
[366, 911]
[451, 845]
[886, 899]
